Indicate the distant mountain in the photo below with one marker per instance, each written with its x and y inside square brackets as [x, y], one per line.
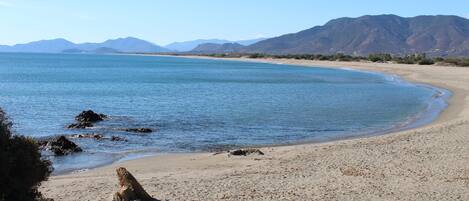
[435, 35]
[218, 48]
[439, 35]
[249, 42]
[190, 45]
[47, 46]
[128, 45]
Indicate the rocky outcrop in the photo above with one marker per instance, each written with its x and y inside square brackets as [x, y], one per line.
[86, 119]
[80, 125]
[130, 189]
[90, 116]
[117, 138]
[98, 137]
[61, 146]
[245, 152]
[91, 136]
[137, 130]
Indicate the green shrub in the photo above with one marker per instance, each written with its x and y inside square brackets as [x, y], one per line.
[379, 57]
[438, 59]
[457, 61]
[21, 166]
[418, 58]
[256, 55]
[426, 61]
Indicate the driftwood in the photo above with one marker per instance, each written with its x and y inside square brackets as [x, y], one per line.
[130, 189]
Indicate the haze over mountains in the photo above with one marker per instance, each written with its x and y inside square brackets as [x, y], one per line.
[123, 45]
[190, 45]
[440, 35]
[128, 44]
[218, 48]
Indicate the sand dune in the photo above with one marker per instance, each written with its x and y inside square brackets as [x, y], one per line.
[427, 163]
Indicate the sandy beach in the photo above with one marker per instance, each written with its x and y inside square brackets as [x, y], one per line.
[426, 163]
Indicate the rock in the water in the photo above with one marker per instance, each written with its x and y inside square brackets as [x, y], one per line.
[245, 152]
[86, 119]
[62, 146]
[80, 125]
[117, 138]
[90, 116]
[130, 189]
[137, 130]
[92, 136]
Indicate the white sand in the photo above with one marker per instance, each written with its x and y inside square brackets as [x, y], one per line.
[428, 163]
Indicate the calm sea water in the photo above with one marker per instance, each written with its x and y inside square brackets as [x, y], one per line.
[200, 105]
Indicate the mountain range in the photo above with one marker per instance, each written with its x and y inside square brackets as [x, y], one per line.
[218, 48]
[128, 45]
[190, 45]
[440, 35]
[123, 45]
[435, 35]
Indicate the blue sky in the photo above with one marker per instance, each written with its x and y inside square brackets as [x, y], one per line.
[165, 21]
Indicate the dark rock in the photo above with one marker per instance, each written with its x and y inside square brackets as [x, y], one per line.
[86, 119]
[80, 125]
[92, 136]
[90, 116]
[117, 138]
[62, 146]
[245, 152]
[137, 130]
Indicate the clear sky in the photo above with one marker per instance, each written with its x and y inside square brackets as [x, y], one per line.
[165, 21]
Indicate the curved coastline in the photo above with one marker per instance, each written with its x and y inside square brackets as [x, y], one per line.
[434, 107]
[454, 117]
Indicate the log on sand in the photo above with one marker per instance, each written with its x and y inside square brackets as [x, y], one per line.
[130, 189]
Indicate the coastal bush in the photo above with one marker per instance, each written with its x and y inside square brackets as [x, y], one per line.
[438, 59]
[408, 59]
[256, 55]
[426, 61]
[457, 61]
[22, 168]
[379, 57]
[420, 59]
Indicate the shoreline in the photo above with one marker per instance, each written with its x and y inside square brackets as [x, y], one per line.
[198, 168]
[424, 117]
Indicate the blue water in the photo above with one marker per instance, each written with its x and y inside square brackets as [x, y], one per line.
[198, 105]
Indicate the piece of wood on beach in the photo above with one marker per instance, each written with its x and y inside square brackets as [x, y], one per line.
[130, 189]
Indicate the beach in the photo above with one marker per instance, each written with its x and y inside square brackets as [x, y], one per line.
[426, 163]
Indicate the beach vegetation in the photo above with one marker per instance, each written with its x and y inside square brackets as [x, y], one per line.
[379, 57]
[22, 169]
[417, 59]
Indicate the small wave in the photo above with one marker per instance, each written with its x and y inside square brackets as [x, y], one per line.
[81, 170]
[349, 69]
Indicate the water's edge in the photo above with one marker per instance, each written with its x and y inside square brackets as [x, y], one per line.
[435, 107]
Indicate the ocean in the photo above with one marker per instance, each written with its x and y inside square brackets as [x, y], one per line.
[197, 105]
